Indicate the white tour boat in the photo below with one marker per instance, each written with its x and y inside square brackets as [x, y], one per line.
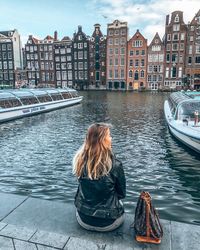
[181, 112]
[26, 102]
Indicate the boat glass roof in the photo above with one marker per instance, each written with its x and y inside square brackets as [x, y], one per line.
[19, 93]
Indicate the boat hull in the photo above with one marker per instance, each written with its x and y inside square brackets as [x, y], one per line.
[30, 110]
[193, 142]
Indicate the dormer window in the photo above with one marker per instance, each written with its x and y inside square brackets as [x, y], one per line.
[176, 19]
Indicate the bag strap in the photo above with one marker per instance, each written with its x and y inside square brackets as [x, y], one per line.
[147, 198]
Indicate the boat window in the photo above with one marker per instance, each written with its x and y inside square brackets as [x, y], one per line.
[56, 97]
[187, 109]
[11, 103]
[66, 95]
[44, 98]
[29, 100]
[172, 106]
[74, 94]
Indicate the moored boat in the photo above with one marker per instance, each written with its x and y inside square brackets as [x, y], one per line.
[26, 102]
[182, 110]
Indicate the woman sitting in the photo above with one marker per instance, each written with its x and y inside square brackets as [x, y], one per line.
[102, 182]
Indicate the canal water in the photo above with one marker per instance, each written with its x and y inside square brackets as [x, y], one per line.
[36, 153]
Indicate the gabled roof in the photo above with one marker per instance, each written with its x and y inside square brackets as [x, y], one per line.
[48, 37]
[156, 37]
[194, 18]
[8, 33]
[66, 38]
[137, 34]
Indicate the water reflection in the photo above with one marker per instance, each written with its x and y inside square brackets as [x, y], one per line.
[36, 153]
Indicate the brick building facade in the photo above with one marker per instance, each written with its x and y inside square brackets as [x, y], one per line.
[97, 67]
[117, 34]
[137, 62]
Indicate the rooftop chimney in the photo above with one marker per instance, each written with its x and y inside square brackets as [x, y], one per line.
[55, 35]
[167, 20]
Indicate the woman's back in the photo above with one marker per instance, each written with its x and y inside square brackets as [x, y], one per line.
[101, 177]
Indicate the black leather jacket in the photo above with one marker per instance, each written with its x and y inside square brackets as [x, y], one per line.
[100, 198]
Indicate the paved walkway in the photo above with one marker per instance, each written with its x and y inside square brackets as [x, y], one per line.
[35, 224]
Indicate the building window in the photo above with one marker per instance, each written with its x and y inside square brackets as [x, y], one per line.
[150, 58]
[131, 53]
[181, 58]
[116, 51]
[189, 60]
[176, 19]
[173, 72]
[174, 58]
[137, 43]
[9, 47]
[122, 73]
[197, 49]
[116, 73]
[110, 62]
[176, 27]
[131, 63]
[155, 68]
[150, 68]
[116, 61]
[10, 65]
[190, 49]
[80, 55]
[168, 58]
[197, 59]
[143, 52]
[175, 37]
[142, 62]
[161, 57]
[122, 61]
[123, 41]
[168, 37]
[181, 46]
[168, 47]
[110, 41]
[160, 68]
[182, 36]
[122, 51]
[156, 48]
[180, 72]
[9, 55]
[154, 78]
[136, 75]
[130, 73]
[117, 32]
[110, 51]
[137, 52]
[149, 78]
[110, 32]
[80, 45]
[110, 73]
[175, 46]
[136, 63]
[116, 41]
[142, 73]
[167, 72]
[80, 65]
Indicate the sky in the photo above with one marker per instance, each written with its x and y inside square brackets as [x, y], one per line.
[42, 17]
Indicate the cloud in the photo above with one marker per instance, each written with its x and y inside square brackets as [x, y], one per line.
[148, 16]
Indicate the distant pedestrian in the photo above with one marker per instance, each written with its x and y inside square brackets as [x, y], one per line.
[196, 118]
[102, 182]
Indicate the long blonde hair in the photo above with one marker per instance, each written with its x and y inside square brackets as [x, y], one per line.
[94, 154]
